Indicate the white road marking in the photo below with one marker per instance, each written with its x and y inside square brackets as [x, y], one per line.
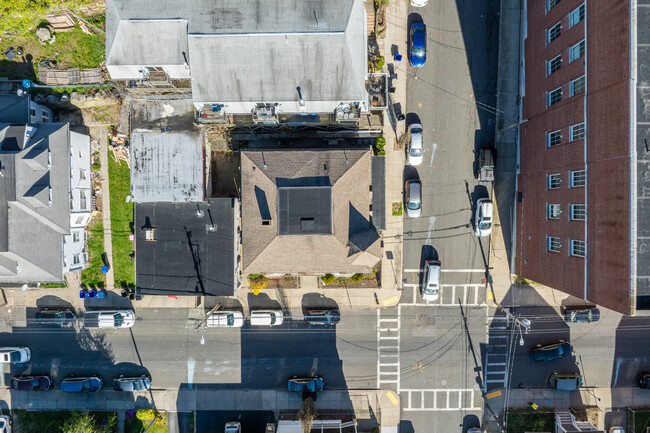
[434, 147]
[432, 221]
[440, 399]
[468, 292]
[190, 372]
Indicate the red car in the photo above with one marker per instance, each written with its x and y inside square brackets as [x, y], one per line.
[31, 383]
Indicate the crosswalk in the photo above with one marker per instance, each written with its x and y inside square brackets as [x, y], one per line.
[441, 399]
[496, 354]
[388, 352]
[451, 295]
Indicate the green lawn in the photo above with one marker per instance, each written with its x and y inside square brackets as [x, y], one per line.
[92, 276]
[641, 421]
[119, 176]
[521, 421]
[52, 285]
[135, 425]
[46, 421]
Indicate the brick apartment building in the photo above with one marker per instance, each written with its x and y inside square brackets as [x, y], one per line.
[583, 226]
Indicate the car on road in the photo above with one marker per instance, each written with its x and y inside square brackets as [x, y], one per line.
[483, 217]
[416, 148]
[81, 384]
[14, 355]
[644, 380]
[431, 280]
[5, 424]
[418, 45]
[61, 317]
[132, 384]
[413, 198]
[31, 383]
[581, 315]
[419, 3]
[566, 381]
[551, 351]
[616, 429]
[225, 319]
[323, 317]
[475, 430]
[109, 319]
[305, 384]
[486, 164]
[233, 427]
[267, 317]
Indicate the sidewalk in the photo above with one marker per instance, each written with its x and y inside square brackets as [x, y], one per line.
[106, 204]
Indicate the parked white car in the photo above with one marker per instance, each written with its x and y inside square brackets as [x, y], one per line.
[419, 3]
[5, 424]
[416, 148]
[109, 319]
[483, 217]
[431, 280]
[266, 317]
[15, 355]
[226, 319]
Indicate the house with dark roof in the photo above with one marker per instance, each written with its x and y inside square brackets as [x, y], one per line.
[307, 212]
[287, 56]
[186, 249]
[20, 109]
[38, 194]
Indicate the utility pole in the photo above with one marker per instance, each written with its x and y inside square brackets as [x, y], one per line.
[202, 326]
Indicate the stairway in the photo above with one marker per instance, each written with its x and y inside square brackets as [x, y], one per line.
[370, 17]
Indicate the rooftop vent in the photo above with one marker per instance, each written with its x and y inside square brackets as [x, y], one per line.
[149, 234]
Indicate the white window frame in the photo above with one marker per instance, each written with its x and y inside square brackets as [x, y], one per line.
[577, 248]
[578, 178]
[75, 236]
[549, 97]
[550, 4]
[550, 65]
[550, 180]
[76, 259]
[553, 211]
[577, 131]
[80, 220]
[581, 87]
[578, 212]
[82, 173]
[577, 14]
[553, 244]
[552, 137]
[577, 51]
[553, 33]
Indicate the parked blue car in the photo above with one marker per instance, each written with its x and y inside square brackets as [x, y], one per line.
[418, 47]
[552, 351]
[81, 384]
[305, 384]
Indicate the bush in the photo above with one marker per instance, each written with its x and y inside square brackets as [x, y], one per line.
[327, 278]
[258, 284]
[356, 277]
[254, 276]
[145, 414]
[380, 143]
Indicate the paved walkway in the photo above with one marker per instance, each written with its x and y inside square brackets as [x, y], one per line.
[106, 204]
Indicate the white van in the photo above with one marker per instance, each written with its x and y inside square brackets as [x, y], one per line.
[109, 319]
[431, 280]
[14, 355]
[225, 319]
[266, 317]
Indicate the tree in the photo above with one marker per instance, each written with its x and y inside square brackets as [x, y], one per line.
[306, 414]
[327, 278]
[258, 284]
[84, 422]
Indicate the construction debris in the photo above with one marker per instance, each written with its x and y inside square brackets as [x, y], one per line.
[120, 148]
[64, 22]
[53, 77]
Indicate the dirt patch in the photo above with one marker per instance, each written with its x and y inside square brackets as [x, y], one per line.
[224, 171]
[284, 282]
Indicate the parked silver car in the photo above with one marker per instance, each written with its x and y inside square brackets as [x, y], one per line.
[413, 198]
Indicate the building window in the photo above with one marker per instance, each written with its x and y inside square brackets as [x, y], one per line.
[553, 97]
[82, 199]
[553, 65]
[577, 15]
[577, 248]
[578, 178]
[577, 51]
[550, 4]
[45, 117]
[578, 85]
[577, 131]
[578, 212]
[75, 259]
[553, 138]
[75, 236]
[82, 173]
[32, 112]
[553, 33]
[553, 181]
[553, 211]
[553, 244]
[80, 219]
[80, 153]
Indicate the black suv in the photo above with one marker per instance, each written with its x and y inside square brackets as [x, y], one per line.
[323, 317]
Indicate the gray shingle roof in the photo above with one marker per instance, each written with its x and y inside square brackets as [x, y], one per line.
[149, 43]
[32, 234]
[166, 167]
[353, 246]
[14, 109]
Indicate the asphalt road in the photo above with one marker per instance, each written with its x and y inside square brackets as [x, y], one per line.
[164, 344]
[453, 96]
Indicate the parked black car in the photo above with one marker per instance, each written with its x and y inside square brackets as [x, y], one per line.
[61, 317]
[552, 351]
[131, 384]
[644, 380]
[581, 315]
[323, 317]
[31, 383]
